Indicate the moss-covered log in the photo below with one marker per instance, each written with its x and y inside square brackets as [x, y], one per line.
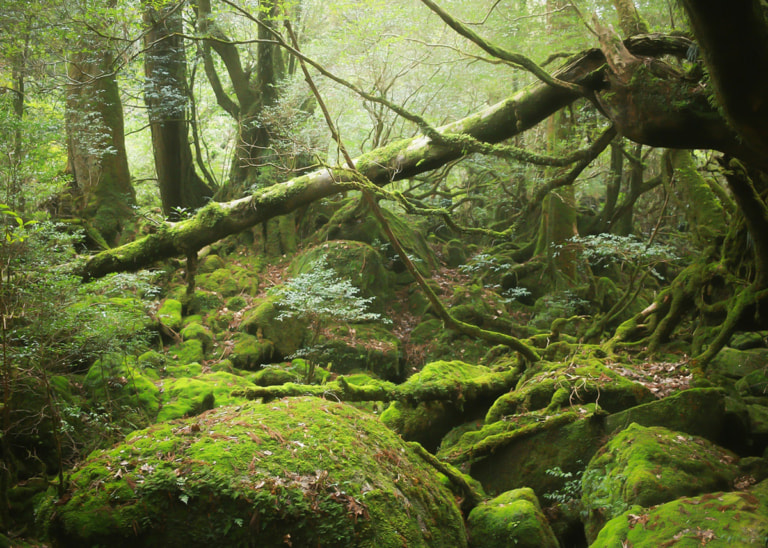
[399, 160]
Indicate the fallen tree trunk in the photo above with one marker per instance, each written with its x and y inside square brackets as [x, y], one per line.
[398, 160]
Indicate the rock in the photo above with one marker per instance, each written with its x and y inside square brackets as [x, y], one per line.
[196, 331]
[557, 386]
[169, 314]
[739, 363]
[300, 472]
[460, 391]
[738, 518]
[513, 518]
[191, 396]
[249, 351]
[287, 334]
[744, 340]
[648, 466]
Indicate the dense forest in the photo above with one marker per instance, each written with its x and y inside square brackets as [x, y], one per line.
[384, 273]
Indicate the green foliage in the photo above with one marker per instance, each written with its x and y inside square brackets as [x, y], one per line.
[606, 249]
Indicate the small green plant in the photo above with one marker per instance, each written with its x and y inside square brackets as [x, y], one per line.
[571, 488]
[321, 297]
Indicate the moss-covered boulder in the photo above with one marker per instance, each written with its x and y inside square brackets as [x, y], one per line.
[249, 351]
[188, 396]
[169, 314]
[357, 262]
[524, 449]
[513, 518]
[307, 472]
[648, 466]
[451, 392]
[188, 351]
[738, 518]
[555, 386]
[360, 347]
[198, 332]
[739, 363]
[287, 334]
[353, 221]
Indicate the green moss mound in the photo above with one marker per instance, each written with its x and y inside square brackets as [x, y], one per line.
[649, 466]
[738, 518]
[513, 518]
[454, 390]
[117, 379]
[308, 471]
[191, 396]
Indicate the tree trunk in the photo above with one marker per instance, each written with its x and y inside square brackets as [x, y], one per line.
[98, 163]
[166, 97]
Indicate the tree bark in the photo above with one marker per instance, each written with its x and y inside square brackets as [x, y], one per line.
[166, 96]
[98, 162]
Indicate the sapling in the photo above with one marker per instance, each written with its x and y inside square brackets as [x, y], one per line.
[321, 297]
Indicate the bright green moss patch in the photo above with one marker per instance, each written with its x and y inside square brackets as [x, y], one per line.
[191, 396]
[169, 314]
[447, 391]
[315, 472]
[514, 518]
[739, 518]
[196, 331]
[249, 351]
[189, 351]
[649, 466]
[287, 335]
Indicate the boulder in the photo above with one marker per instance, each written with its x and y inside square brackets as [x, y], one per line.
[299, 472]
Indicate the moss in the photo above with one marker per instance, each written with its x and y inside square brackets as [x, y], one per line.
[249, 351]
[196, 331]
[236, 303]
[287, 335]
[114, 378]
[513, 518]
[738, 363]
[361, 347]
[357, 262]
[308, 470]
[169, 314]
[151, 359]
[697, 411]
[189, 351]
[192, 369]
[453, 390]
[191, 396]
[555, 386]
[739, 518]
[202, 302]
[754, 384]
[294, 371]
[210, 263]
[229, 281]
[648, 466]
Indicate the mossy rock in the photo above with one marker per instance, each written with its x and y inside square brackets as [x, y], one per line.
[696, 411]
[287, 334]
[754, 384]
[115, 379]
[202, 302]
[314, 472]
[357, 262]
[353, 222]
[739, 363]
[169, 314]
[513, 518]
[455, 387]
[647, 466]
[236, 303]
[248, 351]
[189, 351]
[209, 263]
[744, 340]
[196, 331]
[738, 518]
[556, 386]
[229, 281]
[361, 347]
[187, 396]
[192, 369]
[758, 422]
